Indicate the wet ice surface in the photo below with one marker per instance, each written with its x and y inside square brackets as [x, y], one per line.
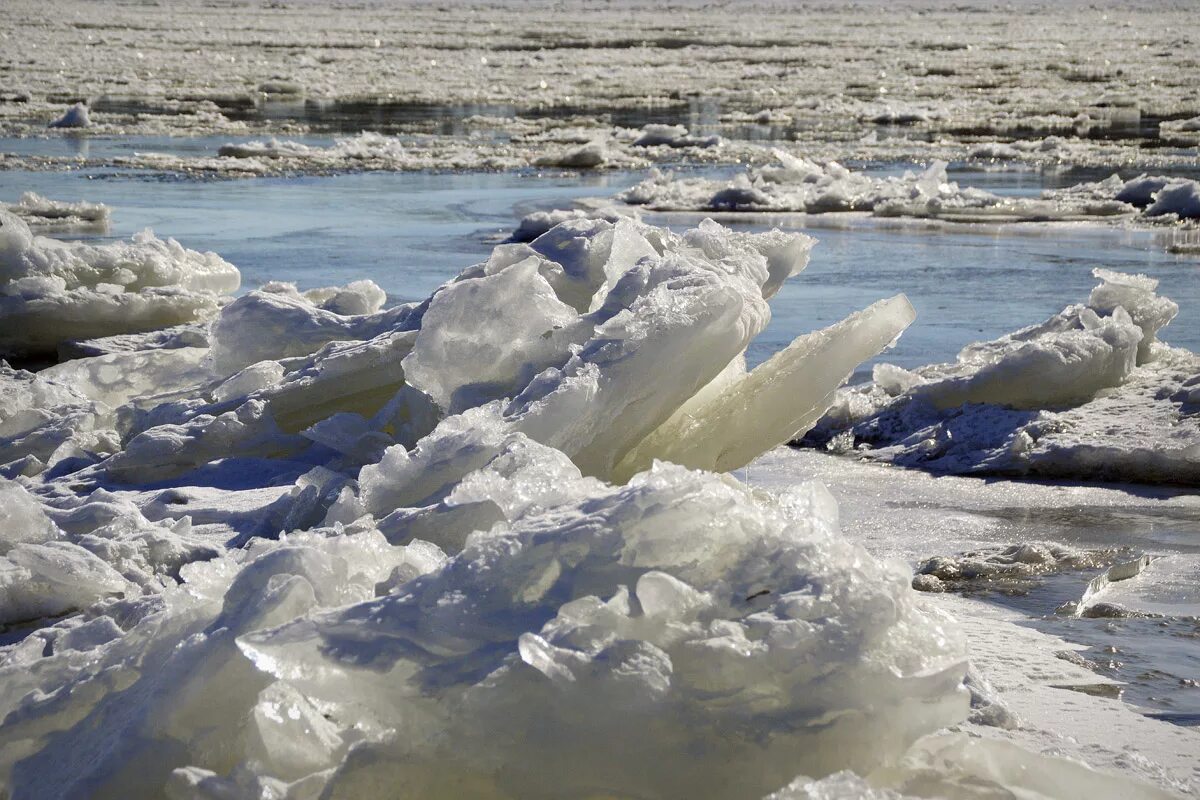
[1156, 657]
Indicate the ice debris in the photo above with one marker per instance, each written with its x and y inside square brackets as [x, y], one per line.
[657, 135]
[52, 291]
[1088, 394]
[796, 184]
[1011, 569]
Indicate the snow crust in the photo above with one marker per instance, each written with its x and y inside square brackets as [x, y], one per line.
[52, 292]
[1088, 394]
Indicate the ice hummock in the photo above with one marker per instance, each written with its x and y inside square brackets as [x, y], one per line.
[563, 597]
[53, 292]
[1088, 394]
[339, 563]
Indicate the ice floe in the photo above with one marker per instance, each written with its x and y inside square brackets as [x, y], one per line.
[936, 78]
[1088, 394]
[44, 215]
[797, 184]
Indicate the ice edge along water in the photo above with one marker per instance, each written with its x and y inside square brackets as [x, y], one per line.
[461, 553]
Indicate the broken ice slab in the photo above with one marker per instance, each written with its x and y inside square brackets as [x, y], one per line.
[777, 401]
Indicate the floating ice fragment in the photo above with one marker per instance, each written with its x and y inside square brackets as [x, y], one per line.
[43, 214]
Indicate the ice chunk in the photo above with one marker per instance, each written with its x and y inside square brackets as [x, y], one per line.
[535, 224]
[1055, 369]
[586, 156]
[47, 580]
[42, 214]
[1180, 197]
[1087, 394]
[598, 617]
[777, 401]
[485, 338]
[117, 378]
[277, 324]
[52, 291]
[75, 117]
[654, 135]
[22, 518]
[1135, 294]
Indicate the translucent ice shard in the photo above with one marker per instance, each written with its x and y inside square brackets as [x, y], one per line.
[777, 401]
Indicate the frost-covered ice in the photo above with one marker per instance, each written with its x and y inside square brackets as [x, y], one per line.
[44, 215]
[54, 292]
[1088, 394]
